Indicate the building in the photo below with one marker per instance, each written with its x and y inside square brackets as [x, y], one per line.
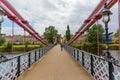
[58, 38]
[79, 40]
[2, 35]
[20, 39]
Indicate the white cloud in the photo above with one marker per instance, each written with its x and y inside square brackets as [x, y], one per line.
[17, 30]
[58, 13]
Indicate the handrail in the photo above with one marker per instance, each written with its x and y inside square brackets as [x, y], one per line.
[96, 66]
[12, 68]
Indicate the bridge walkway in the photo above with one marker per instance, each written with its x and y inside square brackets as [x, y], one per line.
[56, 65]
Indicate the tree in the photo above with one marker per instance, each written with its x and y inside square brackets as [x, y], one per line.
[2, 40]
[92, 35]
[67, 34]
[50, 34]
[116, 33]
[9, 45]
[26, 44]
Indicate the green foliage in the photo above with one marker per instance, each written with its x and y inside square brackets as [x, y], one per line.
[41, 45]
[116, 33]
[91, 36]
[92, 33]
[76, 45]
[2, 40]
[19, 48]
[111, 47]
[26, 44]
[67, 34]
[50, 34]
[8, 45]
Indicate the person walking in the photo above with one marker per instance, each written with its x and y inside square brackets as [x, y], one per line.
[61, 45]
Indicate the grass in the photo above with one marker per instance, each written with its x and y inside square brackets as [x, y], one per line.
[20, 48]
[111, 46]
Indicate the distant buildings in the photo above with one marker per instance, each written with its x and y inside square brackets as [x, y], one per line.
[20, 39]
[58, 38]
[2, 35]
[79, 40]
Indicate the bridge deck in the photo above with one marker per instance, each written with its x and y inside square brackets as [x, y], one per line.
[56, 65]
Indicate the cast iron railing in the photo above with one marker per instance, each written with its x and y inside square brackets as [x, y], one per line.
[11, 68]
[96, 66]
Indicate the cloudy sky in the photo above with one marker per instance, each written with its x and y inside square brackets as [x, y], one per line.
[59, 13]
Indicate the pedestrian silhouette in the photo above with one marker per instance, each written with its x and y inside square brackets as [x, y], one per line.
[61, 45]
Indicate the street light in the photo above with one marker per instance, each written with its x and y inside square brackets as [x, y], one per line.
[106, 18]
[106, 14]
[1, 18]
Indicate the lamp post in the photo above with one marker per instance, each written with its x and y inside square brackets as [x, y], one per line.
[106, 18]
[1, 18]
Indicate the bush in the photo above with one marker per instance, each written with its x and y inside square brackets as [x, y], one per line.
[114, 47]
[76, 45]
[26, 44]
[2, 40]
[41, 45]
[88, 47]
[8, 46]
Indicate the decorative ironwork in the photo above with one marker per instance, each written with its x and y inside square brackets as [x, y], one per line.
[12, 68]
[96, 66]
[116, 72]
[23, 63]
[87, 62]
[8, 69]
[100, 69]
[32, 57]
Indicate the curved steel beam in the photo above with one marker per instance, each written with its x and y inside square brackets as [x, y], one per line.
[21, 21]
[92, 18]
[100, 5]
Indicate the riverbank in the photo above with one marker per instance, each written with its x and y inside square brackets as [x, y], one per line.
[19, 49]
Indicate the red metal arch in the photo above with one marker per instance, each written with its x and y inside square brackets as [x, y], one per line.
[95, 15]
[17, 18]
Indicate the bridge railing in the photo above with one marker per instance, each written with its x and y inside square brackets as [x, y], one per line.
[96, 66]
[11, 68]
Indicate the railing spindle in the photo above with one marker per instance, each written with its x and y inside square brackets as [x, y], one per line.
[18, 66]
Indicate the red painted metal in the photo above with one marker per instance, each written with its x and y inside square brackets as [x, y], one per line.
[111, 3]
[19, 16]
[94, 17]
[100, 5]
[87, 21]
[98, 16]
[21, 21]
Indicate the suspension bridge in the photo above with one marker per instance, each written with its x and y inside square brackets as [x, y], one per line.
[50, 63]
